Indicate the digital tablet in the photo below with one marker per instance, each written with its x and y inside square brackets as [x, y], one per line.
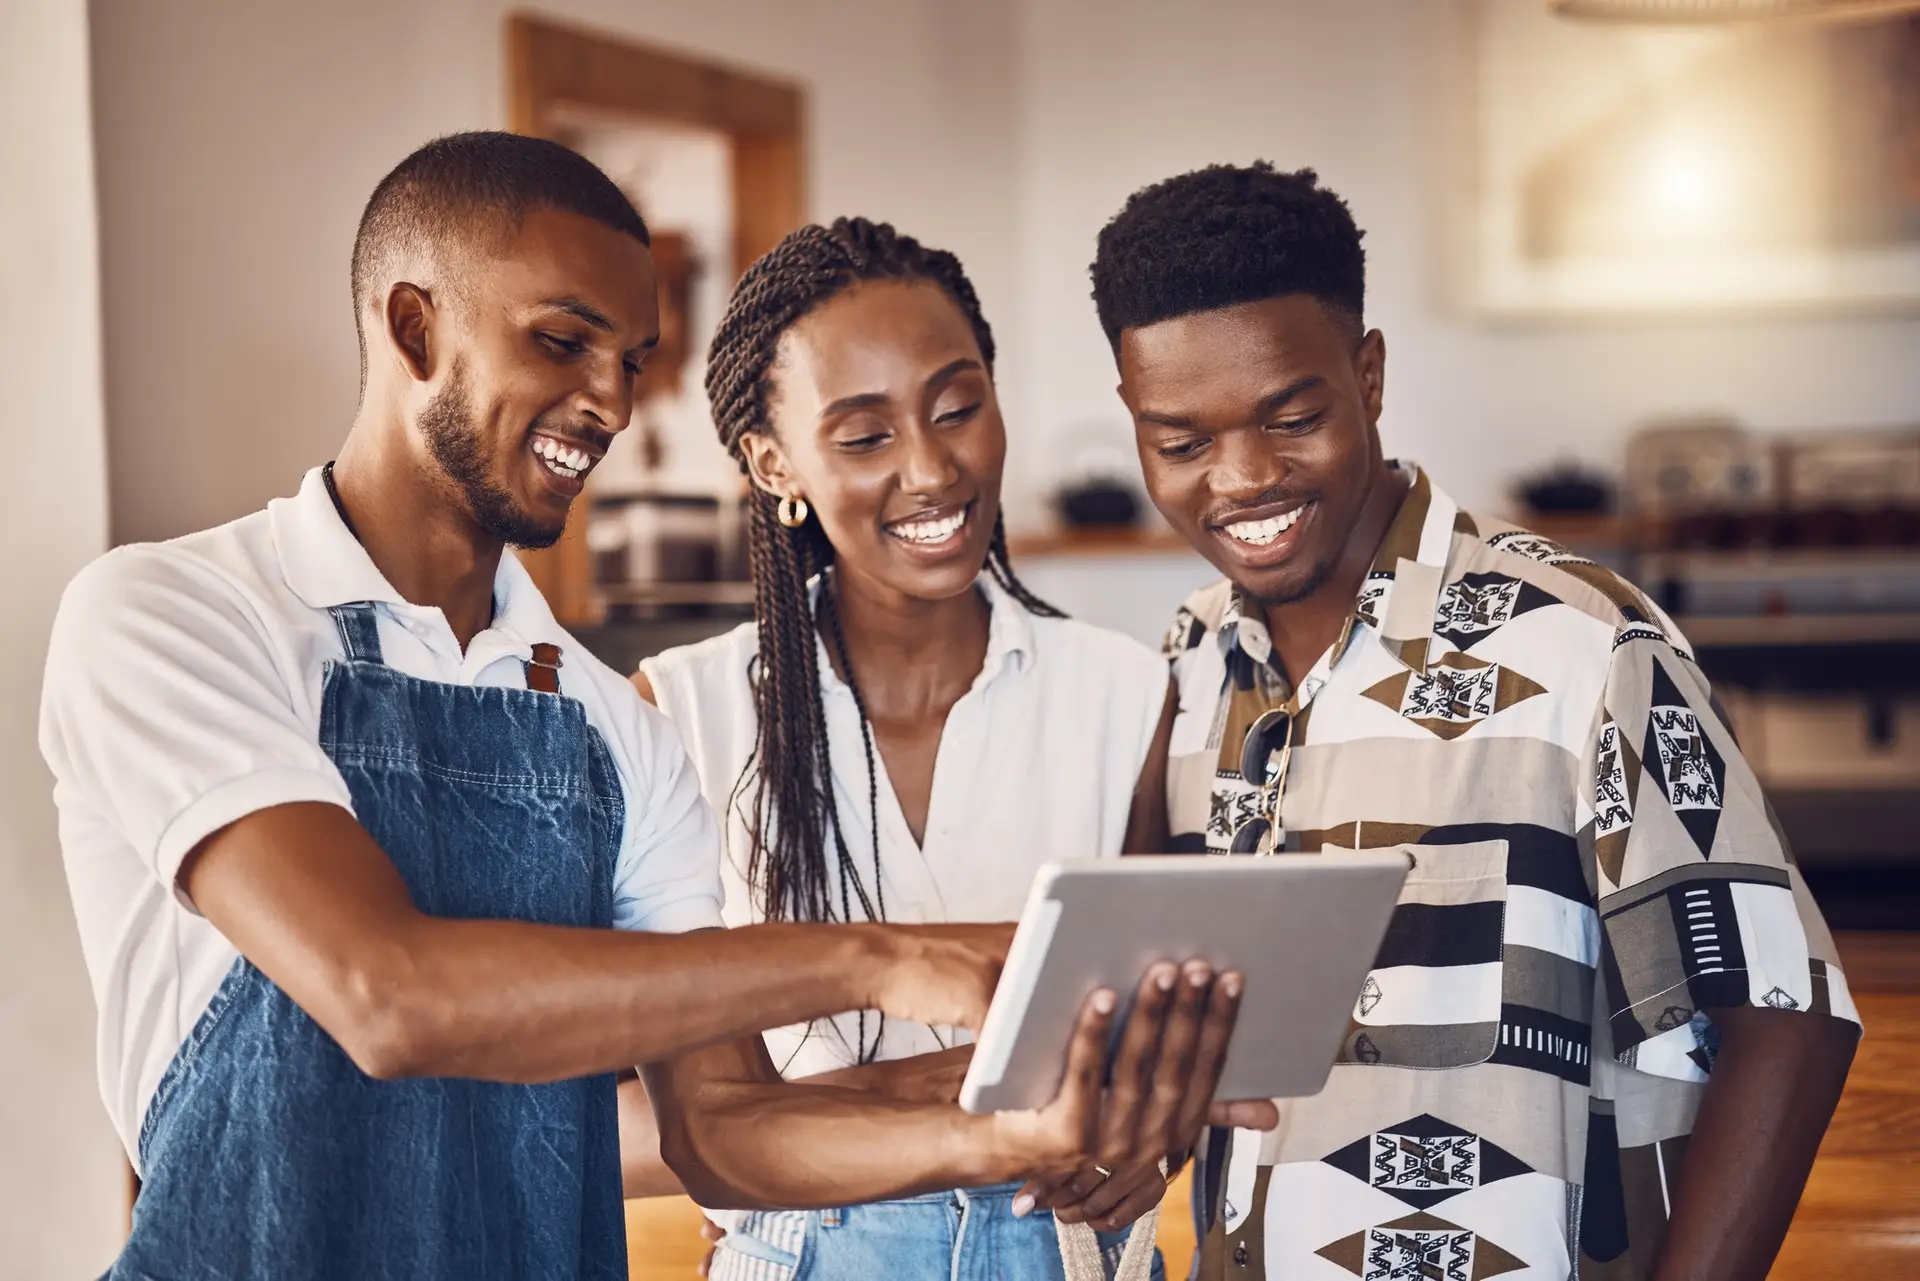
[1303, 928]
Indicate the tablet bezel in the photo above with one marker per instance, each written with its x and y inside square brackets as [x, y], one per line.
[1303, 928]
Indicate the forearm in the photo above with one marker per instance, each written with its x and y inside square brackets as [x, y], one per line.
[306, 895]
[1776, 1081]
[803, 1146]
[507, 1001]
[933, 1077]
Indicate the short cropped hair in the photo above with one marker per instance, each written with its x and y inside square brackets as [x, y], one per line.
[1222, 236]
[468, 186]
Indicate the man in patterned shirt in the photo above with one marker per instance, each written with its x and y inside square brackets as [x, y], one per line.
[1607, 1027]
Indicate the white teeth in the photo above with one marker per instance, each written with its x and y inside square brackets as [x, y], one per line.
[1262, 532]
[559, 459]
[929, 531]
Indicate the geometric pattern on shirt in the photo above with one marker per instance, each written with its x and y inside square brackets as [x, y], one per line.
[1183, 633]
[1233, 802]
[1372, 592]
[1684, 938]
[1686, 763]
[1617, 772]
[1539, 1014]
[1454, 694]
[1521, 542]
[1475, 606]
[1543, 1021]
[1420, 1247]
[1646, 980]
[1424, 1160]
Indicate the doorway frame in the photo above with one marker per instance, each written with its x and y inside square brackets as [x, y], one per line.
[555, 67]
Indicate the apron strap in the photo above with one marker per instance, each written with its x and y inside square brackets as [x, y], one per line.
[543, 669]
[359, 631]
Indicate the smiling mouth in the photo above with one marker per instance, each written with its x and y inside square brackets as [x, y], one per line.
[565, 461]
[931, 529]
[1263, 533]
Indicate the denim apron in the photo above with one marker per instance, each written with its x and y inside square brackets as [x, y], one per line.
[268, 1154]
[967, 1235]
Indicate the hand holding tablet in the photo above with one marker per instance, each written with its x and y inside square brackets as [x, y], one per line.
[1303, 928]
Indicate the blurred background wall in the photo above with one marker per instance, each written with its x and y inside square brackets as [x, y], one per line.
[237, 142]
[62, 1180]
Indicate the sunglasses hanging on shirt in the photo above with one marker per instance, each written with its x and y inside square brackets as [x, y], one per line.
[1265, 755]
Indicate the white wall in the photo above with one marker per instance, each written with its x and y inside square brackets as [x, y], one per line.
[237, 142]
[1120, 93]
[61, 1187]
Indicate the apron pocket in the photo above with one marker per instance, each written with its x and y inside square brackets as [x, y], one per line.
[1433, 998]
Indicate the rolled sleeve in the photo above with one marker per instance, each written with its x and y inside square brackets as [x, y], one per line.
[668, 878]
[1701, 904]
[164, 711]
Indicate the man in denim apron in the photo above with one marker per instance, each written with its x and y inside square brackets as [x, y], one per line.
[347, 815]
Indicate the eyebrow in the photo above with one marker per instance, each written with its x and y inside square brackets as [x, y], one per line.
[868, 399]
[1271, 403]
[588, 313]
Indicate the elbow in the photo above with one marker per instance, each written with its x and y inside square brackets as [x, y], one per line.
[386, 1026]
[384, 1050]
[681, 1152]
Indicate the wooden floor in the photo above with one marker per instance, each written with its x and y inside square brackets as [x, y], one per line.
[1859, 1219]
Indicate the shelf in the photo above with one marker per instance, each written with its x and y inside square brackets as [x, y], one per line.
[710, 593]
[1727, 632]
[1098, 540]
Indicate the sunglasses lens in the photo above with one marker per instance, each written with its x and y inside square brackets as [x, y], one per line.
[1250, 836]
[1260, 755]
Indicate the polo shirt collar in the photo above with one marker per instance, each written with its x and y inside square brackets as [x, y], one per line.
[324, 566]
[1401, 592]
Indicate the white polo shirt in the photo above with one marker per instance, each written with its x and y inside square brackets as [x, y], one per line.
[183, 692]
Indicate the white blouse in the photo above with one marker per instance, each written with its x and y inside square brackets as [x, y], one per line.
[1037, 761]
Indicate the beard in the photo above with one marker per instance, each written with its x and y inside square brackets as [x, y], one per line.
[1305, 587]
[453, 437]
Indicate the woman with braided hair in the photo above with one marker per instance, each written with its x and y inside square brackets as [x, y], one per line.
[905, 732]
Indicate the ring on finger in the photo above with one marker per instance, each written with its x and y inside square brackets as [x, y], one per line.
[1102, 1171]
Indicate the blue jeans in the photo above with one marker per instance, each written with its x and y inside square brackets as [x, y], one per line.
[945, 1236]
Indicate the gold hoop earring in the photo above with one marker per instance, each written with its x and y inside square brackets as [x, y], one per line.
[792, 511]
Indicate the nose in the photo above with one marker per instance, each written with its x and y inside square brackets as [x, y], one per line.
[1247, 465]
[927, 466]
[607, 397]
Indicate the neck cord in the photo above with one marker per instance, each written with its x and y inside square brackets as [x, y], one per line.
[333, 492]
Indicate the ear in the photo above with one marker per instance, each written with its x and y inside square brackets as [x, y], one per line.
[407, 317]
[767, 466]
[1370, 363]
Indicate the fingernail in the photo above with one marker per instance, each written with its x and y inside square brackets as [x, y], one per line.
[1200, 976]
[1023, 1205]
[1231, 984]
[1164, 980]
[1103, 1001]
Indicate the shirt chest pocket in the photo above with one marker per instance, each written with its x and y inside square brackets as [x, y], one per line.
[1434, 996]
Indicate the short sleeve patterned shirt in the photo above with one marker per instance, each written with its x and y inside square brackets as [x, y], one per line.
[1595, 867]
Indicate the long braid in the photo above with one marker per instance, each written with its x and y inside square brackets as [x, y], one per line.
[786, 783]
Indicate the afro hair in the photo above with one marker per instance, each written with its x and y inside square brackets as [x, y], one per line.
[1222, 236]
